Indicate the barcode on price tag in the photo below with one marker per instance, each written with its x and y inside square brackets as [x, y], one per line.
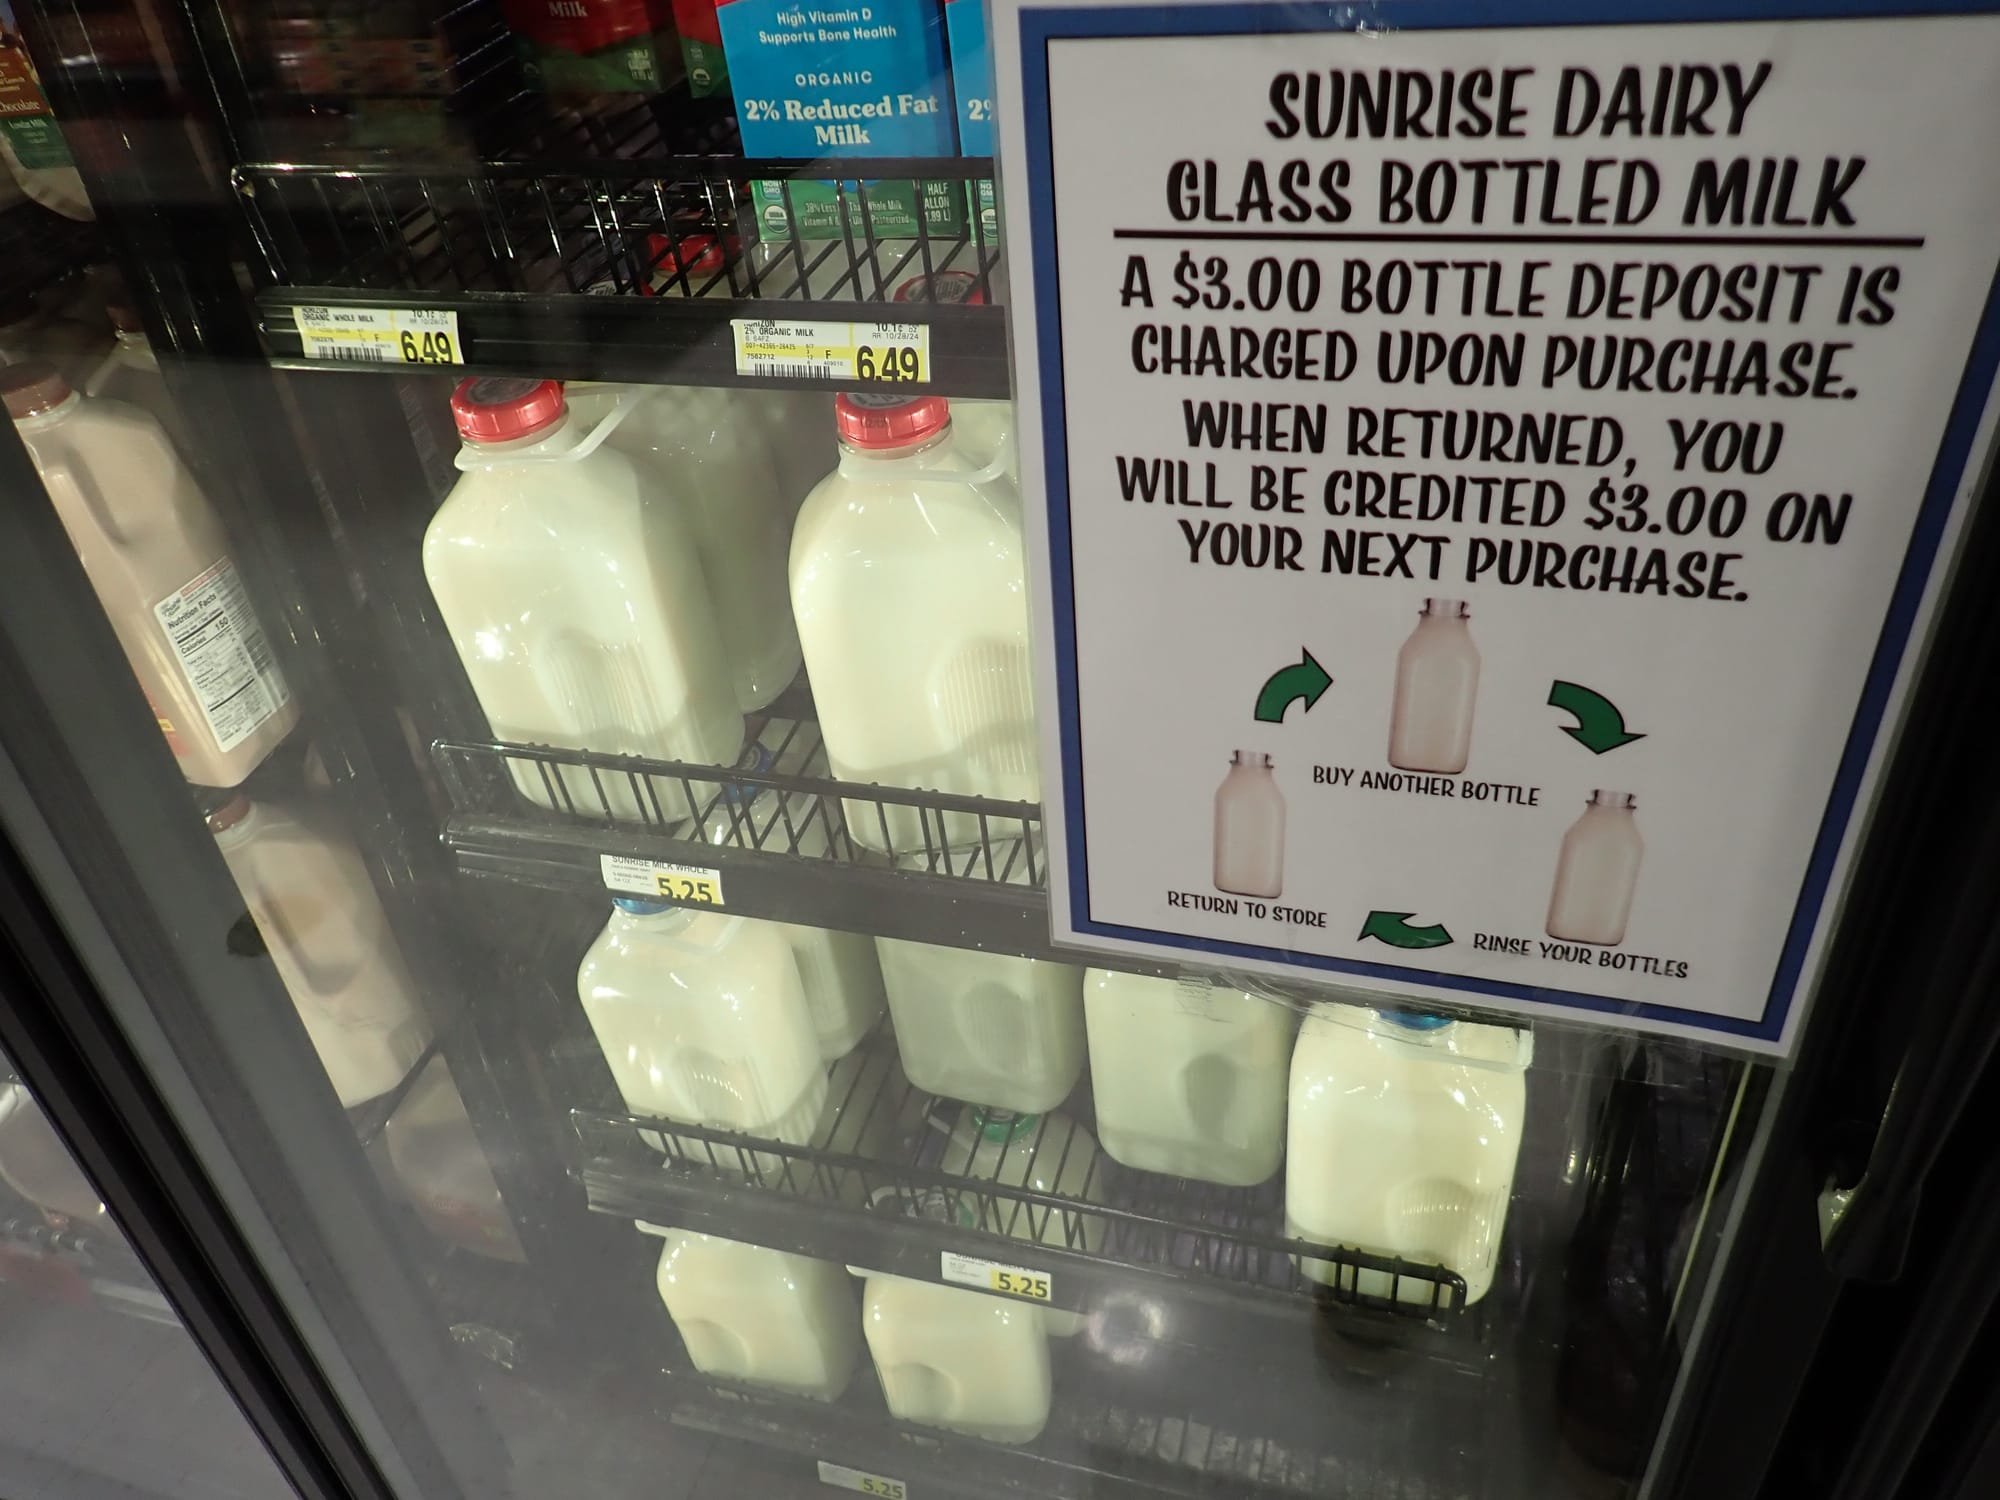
[859, 353]
[992, 1276]
[684, 885]
[865, 1483]
[380, 335]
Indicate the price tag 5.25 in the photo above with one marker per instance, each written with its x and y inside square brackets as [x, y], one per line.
[684, 885]
[992, 1276]
[703, 888]
[862, 1482]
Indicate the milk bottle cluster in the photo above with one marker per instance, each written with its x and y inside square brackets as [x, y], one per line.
[157, 558]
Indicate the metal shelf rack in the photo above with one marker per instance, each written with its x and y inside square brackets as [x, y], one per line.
[875, 1189]
[602, 249]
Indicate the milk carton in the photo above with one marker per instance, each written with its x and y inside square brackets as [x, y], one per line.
[701, 47]
[835, 80]
[972, 84]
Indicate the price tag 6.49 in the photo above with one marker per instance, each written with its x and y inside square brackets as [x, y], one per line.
[873, 353]
[380, 335]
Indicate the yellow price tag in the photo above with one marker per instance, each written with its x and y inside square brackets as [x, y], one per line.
[862, 1482]
[380, 335]
[1020, 1284]
[853, 353]
[704, 889]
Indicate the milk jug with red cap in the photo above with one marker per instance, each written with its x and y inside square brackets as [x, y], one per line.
[577, 603]
[908, 587]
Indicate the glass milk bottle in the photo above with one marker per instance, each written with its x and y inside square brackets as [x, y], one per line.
[1437, 679]
[1249, 828]
[1597, 871]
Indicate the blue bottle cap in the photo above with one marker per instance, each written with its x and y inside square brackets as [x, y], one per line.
[639, 906]
[1413, 1020]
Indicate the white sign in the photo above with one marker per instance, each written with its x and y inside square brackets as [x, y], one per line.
[1488, 485]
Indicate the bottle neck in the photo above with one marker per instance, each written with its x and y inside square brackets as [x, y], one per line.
[558, 437]
[60, 412]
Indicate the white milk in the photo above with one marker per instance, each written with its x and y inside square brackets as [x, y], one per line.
[907, 583]
[966, 1360]
[158, 560]
[762, 1316]
[703, 1020]
[989, 1028]
[1437, 683]
[578, 608]
[443, 1171]
[1597, 873]
[1189, 1078]
[985, 433]
[130, 371]
[1250, 828]
[871, 1111]
[842, 981]
[959, 1359]
[35, 1163]
[328, 937]
[1404, 1133]
[711, 466]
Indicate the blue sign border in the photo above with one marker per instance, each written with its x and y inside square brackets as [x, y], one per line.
[1038, 27]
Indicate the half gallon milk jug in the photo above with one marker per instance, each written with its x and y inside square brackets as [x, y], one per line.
[131, 371]
[157, 558]
[35, 1163]
[1250, 828]
[966, 1360]
[1437, 681]
[1597, 872]
[989, 1028]
[1404, 1133]
[1189, 1077]
[842, 983]
[710, 465]
[908, 587]
[702, 1019]
[309, 893]
[438, 1161]
[762, 1316]
[578, 608]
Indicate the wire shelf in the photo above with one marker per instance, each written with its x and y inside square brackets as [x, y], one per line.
[883, 1153]
[778, 802]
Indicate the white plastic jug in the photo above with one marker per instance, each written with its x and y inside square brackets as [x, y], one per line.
[130, 371]
[1045, 1153]
[158, 560]
[989, 1028]
[703, 1020]
[443, 1171]
[1189, 1077]
[706, 460]
[959, 1359]
[908, 587]
[578, 608]
[310, 895]
[842, 982]
[1404, 1134]
[763, 1316]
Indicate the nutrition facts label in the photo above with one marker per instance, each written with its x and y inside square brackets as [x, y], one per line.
[1488, 484]
[223, 653]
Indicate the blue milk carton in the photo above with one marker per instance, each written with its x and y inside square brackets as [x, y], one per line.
[841, 79]
[972, 83]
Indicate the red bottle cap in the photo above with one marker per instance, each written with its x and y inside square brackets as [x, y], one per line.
[698, 254]
[32, 387]
[497, 408]
[941, 286]
[876, 422]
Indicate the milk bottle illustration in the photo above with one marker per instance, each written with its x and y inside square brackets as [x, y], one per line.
[992, 1028]
[1597, 871]
[1249, 828]
[1404, 1129]
[908, 585]
[1189, 1077]
[759, 1315]
[1437, 679]
[578, 608]
[702, 1019]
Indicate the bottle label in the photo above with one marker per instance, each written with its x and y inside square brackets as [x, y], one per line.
[223, 653]
[25, 115]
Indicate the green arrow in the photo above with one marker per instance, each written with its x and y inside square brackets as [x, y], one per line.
[1307, 680]
[1599, 726]
[1393, 928]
